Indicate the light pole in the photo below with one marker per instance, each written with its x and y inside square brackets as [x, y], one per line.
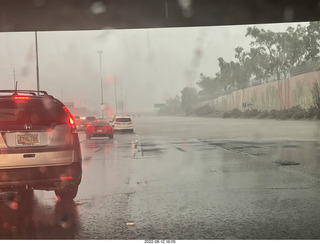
[37, 63]
[102, 105]
[115, 93]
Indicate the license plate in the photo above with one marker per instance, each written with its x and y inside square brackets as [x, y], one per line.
[99, 130]
[27, 139]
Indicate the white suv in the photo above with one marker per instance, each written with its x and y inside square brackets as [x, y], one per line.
[122, 123]
[39, 144]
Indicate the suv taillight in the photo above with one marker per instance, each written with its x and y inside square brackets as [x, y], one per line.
[70, 120]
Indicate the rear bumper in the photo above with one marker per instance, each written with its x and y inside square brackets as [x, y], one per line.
[128, 128]
[100, 134]
[40, 178]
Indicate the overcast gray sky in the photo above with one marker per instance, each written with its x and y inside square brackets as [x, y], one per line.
[149, 65]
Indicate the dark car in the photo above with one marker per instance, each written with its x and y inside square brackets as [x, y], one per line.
[91, 118]
[81, 124]
[99, 129]
[39, 144]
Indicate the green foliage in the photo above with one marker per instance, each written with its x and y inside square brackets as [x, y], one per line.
[236, 113]
[189, 97]
[271, 56]
[210, 87]
[315, 91]
[296, 112]
[204, 110]
[249, 113]
[173, 107]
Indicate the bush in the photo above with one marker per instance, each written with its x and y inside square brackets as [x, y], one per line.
[274, 114]
[315, 92]
[297, 112]
[251, 113]
[226, 115]
[204, 110]
[263, 114]
[284, 114]
[235, 113]
[311, 112]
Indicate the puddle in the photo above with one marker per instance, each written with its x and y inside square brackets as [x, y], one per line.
[286, 162]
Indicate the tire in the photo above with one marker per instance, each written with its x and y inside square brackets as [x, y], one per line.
[67, 193]
[110, 136]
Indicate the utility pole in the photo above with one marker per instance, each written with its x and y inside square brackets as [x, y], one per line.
[102, 105]
[14, 77]
[115, 93]
[37, 63]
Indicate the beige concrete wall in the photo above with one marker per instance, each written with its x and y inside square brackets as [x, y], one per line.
[277, 95]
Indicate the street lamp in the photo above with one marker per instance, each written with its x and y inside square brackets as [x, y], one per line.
[102, 105]
[37, 63]
[115, 93]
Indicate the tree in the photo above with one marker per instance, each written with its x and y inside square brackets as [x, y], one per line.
[189, 97]
[284, 50]
[311, 41]
[271, 57]
[172, 107]
[211, 87]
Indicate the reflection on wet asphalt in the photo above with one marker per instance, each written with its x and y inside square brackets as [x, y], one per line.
[25, 217]
[147, 186]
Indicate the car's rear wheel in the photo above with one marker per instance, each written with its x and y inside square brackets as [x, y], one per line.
[110, 136]
[67, 193]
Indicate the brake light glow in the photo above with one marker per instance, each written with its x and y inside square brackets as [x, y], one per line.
[21, 99]
[71, 119]
[107, 127]
[65, 177]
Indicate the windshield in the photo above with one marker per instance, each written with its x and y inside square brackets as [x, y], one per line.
[223, 144]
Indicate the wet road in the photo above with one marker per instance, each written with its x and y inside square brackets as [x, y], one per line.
[184, 178]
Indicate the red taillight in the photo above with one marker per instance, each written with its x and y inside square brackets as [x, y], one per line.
[65, 177]
[116, 123]
[71, 119]
[107, 127]
[90, 127]
[21, 99]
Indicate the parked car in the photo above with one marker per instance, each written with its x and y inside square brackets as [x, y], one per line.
[122, 123]
[99, 129]
[39, 144]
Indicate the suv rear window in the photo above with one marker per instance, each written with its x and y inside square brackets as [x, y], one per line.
[123, 119]
[45, 112]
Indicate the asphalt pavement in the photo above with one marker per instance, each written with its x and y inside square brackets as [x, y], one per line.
[184, 179]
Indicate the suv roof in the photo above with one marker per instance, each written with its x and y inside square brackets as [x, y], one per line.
[28, 92]
[20, 107]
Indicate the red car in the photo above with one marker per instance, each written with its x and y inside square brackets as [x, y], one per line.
[99, 129]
